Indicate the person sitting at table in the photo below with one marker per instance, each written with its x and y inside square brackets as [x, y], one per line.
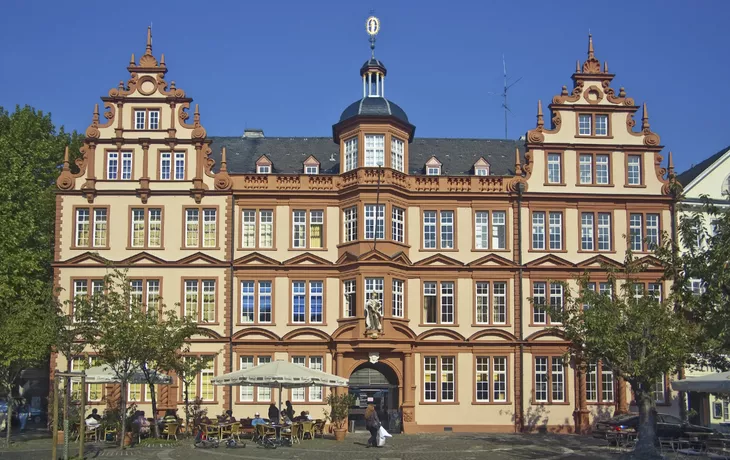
[94, 415]
[204, 420]
[273, 413]
[142, 424]
[228, 417]
[257, 419]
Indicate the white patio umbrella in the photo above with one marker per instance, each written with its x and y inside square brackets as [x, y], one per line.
[280, 374]
[105, 374]
[711, 383]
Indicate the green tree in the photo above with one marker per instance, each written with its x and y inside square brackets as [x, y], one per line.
[632, 332]
[31, 150]
[164, 337]
[187, 369]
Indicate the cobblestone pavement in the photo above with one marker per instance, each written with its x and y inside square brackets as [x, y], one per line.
[457, 446]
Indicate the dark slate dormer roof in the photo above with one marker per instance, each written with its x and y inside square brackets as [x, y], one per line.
[374, 107]
[689, 175]
[289, 153]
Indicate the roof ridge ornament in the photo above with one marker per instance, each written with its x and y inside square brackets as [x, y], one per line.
[148, 60]
[591, 65]
[372, 26]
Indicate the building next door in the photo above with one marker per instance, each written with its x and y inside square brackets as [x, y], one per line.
[375, 384]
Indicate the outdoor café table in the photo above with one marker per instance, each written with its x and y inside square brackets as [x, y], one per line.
[213, 430]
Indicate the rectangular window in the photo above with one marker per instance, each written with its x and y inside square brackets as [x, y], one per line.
[208, 302]
[556, 231]
[556, 297]
[191, 299]
[256, 301]
[262, 393]
[538, 230]
[584, 124]
[602, 170]
[558, 379]
[606, 385]
[136, 293]
[481, 230]
[592, 383]
[433, 171]
[316, 292]
[316, 229]
[541, 379]
[263, 169]
[429, 229]
[374, 286]
[82, 227]
[315, 392]
[601, 125]
[586, 230]
[350, 154]
[397, 299]
[298, 394]
[659, 390]
[652, 231]
[539, 297]
[374, 150]
[265, 302]
[448, 379]
[499, 315]
[554, 175]
[207, 391]
[146, 226]
[209, 228]
[633, 164]
[482, 301]
[165, 165]
[447, 303]
[499, 229]
[374, 221]
[314, 169]
[112, 165]
[139, 119]
[430, 380]
[299, 234]
[248, 304]
[636, 232]
[248, 229]
[604, 231]
[179, 166]
[192, 228]
[494, 295]
[299, 304]
[246, 391]
[447, 229]
[350, 224]
[200, 307]
[585, 167]
[307, 301]
[154, 119]
[644, 231]
[126, 165]
[350, 291]
[430, 302]
[500, 379]
[482, 379]
[266, 229]
[153, 298]
[396, 154]
[398, 224]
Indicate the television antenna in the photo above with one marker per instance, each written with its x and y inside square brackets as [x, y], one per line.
[505, 90]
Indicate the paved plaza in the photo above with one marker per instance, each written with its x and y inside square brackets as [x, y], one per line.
[402, 447]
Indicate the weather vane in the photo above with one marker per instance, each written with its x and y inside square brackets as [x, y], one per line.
[372, 25]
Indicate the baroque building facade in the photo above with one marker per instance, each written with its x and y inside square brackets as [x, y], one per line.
[274, 245]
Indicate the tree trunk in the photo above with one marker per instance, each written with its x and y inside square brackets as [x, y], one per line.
[187, 409]
[124, 414]
[154, 410]
[647, 442]
[9, 418]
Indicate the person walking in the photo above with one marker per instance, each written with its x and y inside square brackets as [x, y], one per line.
[372, 423]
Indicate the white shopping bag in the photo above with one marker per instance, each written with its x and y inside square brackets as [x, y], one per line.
[382, 434]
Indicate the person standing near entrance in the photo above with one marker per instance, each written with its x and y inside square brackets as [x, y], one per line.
[372, 423]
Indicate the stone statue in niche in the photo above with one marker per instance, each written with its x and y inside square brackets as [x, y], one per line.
[374, 314]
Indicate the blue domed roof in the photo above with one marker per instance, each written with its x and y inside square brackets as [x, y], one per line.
[374, 107]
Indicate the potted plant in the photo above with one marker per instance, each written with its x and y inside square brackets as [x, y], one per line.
[129, 424]
[339, 413]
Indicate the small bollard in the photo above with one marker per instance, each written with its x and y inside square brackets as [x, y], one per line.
[352, 426]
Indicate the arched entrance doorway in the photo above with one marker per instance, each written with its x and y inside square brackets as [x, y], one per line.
[377, 384]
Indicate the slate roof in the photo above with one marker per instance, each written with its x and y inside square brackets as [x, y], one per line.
[288, 154]
[374, 107]
[689, 175]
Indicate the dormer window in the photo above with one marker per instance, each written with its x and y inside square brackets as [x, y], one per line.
[481, 167]
[311, 169]
[263, 165]
[311, 165]
[146, 119]
[433, 167]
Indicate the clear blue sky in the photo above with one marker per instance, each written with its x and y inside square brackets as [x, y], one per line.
[291, 67]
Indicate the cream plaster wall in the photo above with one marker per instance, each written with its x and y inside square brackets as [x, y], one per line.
[550, 415]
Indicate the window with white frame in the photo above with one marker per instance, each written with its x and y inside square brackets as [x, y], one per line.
[554, 174]
[439, 379]
[139, 119]
[256, 302]
[146, 119]
[438, 302]
[429, 229]
[200, 300]
[246, 393]
[350, 154]
[197, 231]
[146, 228]
[433, 170]
[165, 165]
[113, 170]
[350, 224]
[481, 230]
[397, 147]
[602, 170]
[311, 169]
[398, 224]
[112, 165]
[599, 384]
[430, 379]
[207, 390]
[179, 165]
[491, 386]
[447, 229]
[481, 171]
[350, 292]
[499, 229]
[549, 379]
[154, 119]
[307, 302]
[542, 293]
[585, 123]
[298, 394]
[315, 392]
[374, 221]
[376, 286]
[697, 286]
[554, 228]
[448, 378]
[643, 231]
[538, 230]
[491, 302]
[315, 226]
[88, 234]
[594, 169]
[126, 166]
[374, 150]
[585, 168]
[660, 388]
[397, 307]
[263, 393]
[263, 169]
[257, 236]
[601, 125]
[633, 172]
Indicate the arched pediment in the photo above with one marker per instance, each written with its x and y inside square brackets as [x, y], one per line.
[343, 331]
[491, 333]
[256, 333]
[306, 333]
[206, 333]
[441, 334]
[402, 329]
[545, 334]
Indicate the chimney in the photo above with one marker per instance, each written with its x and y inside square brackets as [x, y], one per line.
[253, 133]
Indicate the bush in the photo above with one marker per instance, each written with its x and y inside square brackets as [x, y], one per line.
[339, 409]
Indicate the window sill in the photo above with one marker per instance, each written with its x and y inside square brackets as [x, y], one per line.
[595, 185]
[307, 249]
[306, 324]
[251, 403]
[548, 324]
[491, 403]
[145, 248]
[439, 250]
[90, 248]
[588, 251]
[255, 249]
[554, 184]
[591, 136]
[255, 324]
[491, 325]
[207, 324]
[491, 250]
[594, 403]
[548, 251]
[440, 403]
[635, 186]
[437, 325]
[561, 403]
[199, 248]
